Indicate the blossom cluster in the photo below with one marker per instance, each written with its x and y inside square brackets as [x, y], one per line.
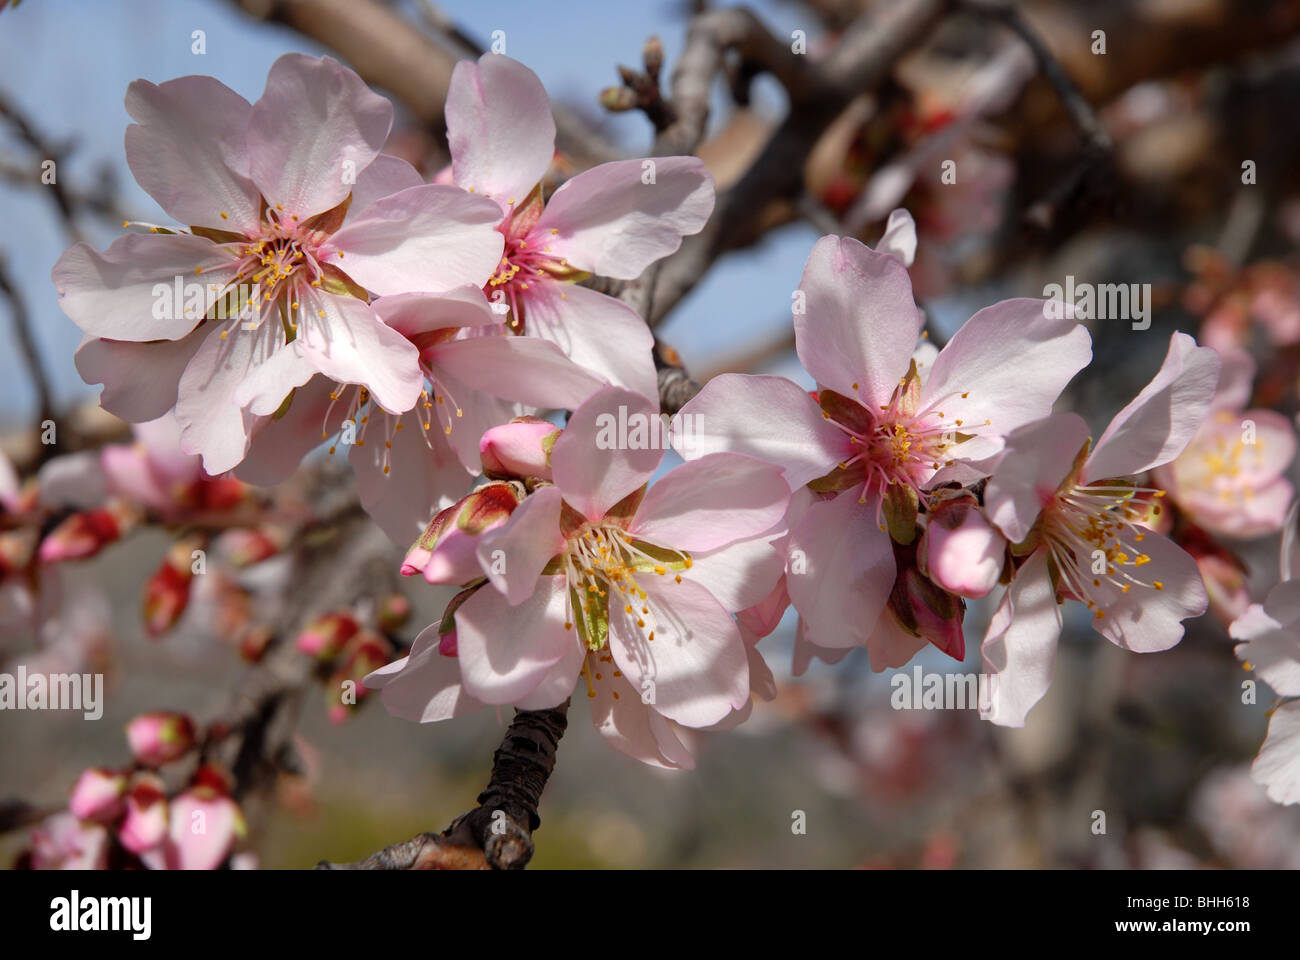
[337, 299]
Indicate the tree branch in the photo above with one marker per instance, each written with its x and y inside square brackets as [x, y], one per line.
[498, 832]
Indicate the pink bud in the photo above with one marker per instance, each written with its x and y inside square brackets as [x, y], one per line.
[962, 551]
[159, 738]
[325, 638]
[447, 644]
[97, 795]
[520, 448]
[83, 535]
[145, 825]
[203, 827]
[936, 614]
[447, 550]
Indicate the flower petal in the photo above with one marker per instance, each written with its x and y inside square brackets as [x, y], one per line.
[771, 418]
[513, 554]
[1020, 645]
[347, 342]
[424, 686]
[424, 476]
[1004, 368]
[632, 727]
[597, 332]
[708, 503]
[1026, 476]
[140, 379]
[695, 671]
[518, 369]
[859, 324]
[1147, 619]
[187, 150]
[315, 128]
[128, 291]
[499, 128]
[428, 238]
[506, 651]
[385, 175]
[1159, 422]
[590, 464]
[610, 221]
[212, 423]
[1278, 765]
[840, 570]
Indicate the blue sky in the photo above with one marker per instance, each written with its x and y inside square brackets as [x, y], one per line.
[102, 45]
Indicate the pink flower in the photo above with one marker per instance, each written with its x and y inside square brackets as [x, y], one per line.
[883, 431]
[632, 589]
[296, 215]
[1080, 518]
[410, 465]
[1270, 635]
[613, 220]
[1231, 477]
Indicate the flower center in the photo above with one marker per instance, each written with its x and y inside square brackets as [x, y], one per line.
[601, 560]
[1094, 535]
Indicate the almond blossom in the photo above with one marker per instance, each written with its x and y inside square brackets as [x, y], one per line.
[613, 220]
[295, 218]
[1075, 512]
[1231, 479]
[597, 576]
[881, 433]
[411, 464]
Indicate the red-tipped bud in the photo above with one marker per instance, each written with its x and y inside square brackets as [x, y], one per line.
[253, 643]
[446, 551]
[97, 795]
[243, 548]
[159, 738]
[392, 612]
[145, 825]
[325, 638]
[167, 591]
[83, 535]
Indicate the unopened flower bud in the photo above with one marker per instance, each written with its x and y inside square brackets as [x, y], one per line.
[167, 591]
[961, 550]
[520, 448]
[447, 550]
[325, 637]
[97, 795]
[243, 548]
[84, 534]
[145, 825]
[159, 738]
[392, 613]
